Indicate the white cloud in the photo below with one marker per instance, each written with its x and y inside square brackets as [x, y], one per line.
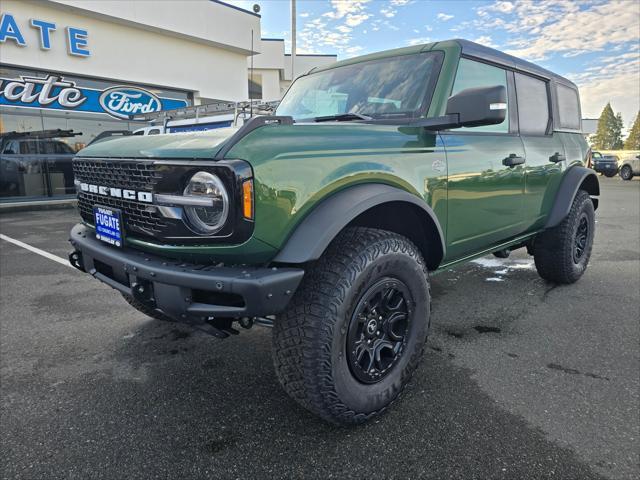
[503, 7]
[418, 41]
[342, 8]
[304, 15]
[353, 50]
[333, 29]
[611, 79]
[547, 27]
[388, 12]
[355, 20]
[486, 40]
[444, 17]
[400, 3]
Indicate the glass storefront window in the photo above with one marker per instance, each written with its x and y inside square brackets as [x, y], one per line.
[35, 160]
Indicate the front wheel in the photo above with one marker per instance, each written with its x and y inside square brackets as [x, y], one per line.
[354, 332]
[609, 174]
[562, 253]
[626, 173]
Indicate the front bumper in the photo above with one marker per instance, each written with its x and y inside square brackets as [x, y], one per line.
[184, 290]
[605, 167]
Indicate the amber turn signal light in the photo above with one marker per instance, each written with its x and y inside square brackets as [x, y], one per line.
[247, 199]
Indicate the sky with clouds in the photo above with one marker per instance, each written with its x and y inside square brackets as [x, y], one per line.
[595, 43]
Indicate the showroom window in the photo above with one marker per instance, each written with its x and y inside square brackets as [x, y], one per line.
[255, 86]
[37, 145]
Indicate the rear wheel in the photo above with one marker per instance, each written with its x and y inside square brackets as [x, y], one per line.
[626, 173]
[354, 332]
[562, 253]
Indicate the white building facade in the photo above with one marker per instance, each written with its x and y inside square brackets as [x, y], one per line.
[272, 71]
[87, 66]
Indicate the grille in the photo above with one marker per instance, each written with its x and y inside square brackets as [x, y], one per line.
[115, 173]
[140, 176]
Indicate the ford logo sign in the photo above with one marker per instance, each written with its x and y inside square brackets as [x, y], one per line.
[125, 102]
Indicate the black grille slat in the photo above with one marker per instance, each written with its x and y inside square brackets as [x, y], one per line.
[131, 175]
[121, 174]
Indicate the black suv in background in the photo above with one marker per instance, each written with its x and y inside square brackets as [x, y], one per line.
[607, 165]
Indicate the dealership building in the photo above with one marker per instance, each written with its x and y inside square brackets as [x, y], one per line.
[86, 67]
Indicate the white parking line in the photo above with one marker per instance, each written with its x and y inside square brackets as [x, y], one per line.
[48, 255]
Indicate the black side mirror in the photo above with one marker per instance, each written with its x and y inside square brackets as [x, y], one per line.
[479, 106]
[472, 107]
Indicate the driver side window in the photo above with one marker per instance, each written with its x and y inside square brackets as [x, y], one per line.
[472, 74]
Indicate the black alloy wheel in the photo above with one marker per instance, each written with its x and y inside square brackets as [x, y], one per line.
[377, 330]
[581, 238]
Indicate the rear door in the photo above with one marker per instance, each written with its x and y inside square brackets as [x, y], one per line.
[545, 151]
[485, 193]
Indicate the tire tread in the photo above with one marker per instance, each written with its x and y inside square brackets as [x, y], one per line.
[303, 334]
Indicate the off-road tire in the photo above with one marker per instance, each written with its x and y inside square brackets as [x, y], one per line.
[148, 311]
[553, 249]
[626, 173]
[310, 337]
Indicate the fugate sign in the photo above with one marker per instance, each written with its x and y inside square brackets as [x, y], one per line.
[56, 93]
[76, 38]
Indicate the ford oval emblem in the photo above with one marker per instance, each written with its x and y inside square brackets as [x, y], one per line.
[125, 102]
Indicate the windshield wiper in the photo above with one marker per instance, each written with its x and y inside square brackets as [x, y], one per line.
[342, 117]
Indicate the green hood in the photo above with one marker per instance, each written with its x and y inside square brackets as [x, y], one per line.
[173, 145]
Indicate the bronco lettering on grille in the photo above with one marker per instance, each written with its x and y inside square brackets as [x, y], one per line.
[146, 197]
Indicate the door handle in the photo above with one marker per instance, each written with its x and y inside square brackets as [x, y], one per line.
[512, 160]
[557, 157]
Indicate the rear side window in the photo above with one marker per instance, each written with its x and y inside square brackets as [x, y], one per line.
[472, 74]
[533, 105]
[568, 107]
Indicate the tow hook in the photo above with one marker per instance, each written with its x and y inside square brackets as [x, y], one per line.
[75, 259]
[143, 292]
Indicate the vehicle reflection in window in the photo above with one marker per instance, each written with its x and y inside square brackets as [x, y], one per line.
[36, 163]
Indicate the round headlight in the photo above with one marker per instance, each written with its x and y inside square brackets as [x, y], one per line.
[210, 206]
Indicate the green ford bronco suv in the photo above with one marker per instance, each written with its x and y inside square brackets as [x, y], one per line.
[325, 219]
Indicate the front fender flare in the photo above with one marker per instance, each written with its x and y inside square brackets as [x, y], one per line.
[575, 178]
[316, 231]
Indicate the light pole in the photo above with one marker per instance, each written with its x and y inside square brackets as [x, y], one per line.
[293, 38]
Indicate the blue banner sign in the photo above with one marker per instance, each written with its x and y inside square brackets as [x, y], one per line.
[53, 92]
[200, 127]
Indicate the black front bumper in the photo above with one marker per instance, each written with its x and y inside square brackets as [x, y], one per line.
[184, 290]
[605, 167]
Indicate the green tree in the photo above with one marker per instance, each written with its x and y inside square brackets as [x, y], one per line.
[633, 140]
[618, 145]
[609, 133]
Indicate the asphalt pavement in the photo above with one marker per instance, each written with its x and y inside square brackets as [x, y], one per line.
[521, 379]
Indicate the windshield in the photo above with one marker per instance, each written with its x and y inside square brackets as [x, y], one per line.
[389, 87]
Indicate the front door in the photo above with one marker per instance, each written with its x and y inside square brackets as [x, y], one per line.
[486, 168]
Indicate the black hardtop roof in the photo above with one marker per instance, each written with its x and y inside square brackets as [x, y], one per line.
[492, 55]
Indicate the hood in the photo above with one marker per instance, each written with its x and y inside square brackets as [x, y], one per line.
[171, 145]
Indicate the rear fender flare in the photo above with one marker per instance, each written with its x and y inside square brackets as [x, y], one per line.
[574, 179]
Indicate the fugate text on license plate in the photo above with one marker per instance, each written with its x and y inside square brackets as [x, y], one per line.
[108, 225]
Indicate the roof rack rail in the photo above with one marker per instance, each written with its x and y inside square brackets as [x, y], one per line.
[52, 133]
[216, 107]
